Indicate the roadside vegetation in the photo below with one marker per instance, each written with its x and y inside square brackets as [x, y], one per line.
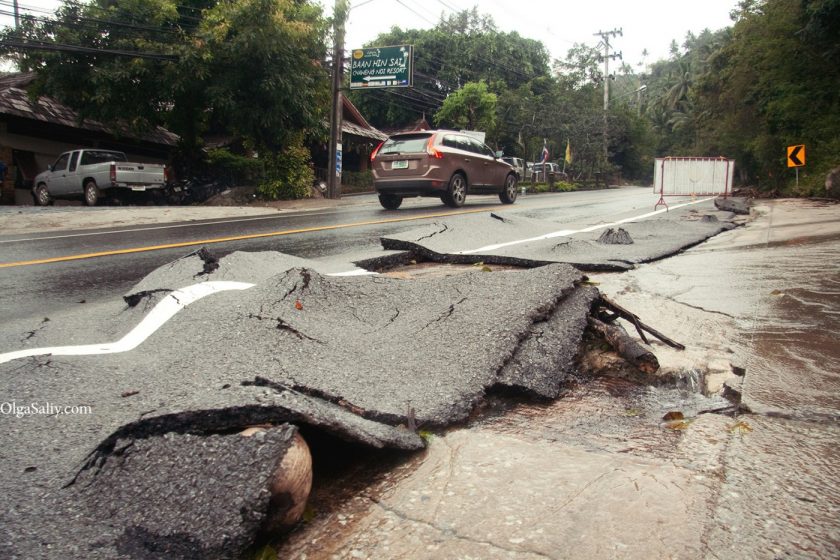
[253, 77]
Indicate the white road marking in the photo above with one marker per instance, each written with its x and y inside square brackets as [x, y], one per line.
[568, 232]
[162, 312]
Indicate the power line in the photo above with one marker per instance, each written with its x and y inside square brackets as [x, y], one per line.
[60, 47]
[415, 12]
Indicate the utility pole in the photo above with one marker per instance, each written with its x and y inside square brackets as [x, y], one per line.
[333, 171]
[605, 40]
[17, 14]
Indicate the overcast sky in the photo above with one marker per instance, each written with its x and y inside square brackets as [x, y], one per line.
[646, 24]
[559, 24]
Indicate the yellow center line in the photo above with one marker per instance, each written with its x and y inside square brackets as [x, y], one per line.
[239, 238]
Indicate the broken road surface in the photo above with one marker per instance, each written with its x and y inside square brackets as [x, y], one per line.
[157, 468]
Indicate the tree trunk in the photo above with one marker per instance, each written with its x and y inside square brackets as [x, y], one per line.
[626, 346]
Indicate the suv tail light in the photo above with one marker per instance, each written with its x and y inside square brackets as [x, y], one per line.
[431, 150]
[376, 151]
[165, 175]
[113, 173]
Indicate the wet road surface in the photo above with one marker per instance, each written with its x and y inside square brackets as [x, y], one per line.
[600, 474]
[29, 291]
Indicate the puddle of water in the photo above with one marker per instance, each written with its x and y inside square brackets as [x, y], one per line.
[606, 415]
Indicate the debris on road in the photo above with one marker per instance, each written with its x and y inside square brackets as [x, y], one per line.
[736, 205]
[608, 310]
[618, 236]
[626, 346]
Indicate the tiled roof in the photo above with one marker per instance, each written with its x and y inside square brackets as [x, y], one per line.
[352, 128]
[14, 100]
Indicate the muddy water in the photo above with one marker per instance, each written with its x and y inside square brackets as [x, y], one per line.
[773, 287]
[793, 342]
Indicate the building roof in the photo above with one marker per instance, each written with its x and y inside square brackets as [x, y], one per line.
[353, 122]
[14, 100]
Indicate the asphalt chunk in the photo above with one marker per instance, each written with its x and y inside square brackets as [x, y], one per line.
[192, 515]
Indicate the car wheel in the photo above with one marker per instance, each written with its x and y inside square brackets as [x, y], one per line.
[508, 194]
[456, 194]
[389, 201]
[91, 193]
[42, 195]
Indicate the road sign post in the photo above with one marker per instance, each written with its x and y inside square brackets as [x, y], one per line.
[381, 67]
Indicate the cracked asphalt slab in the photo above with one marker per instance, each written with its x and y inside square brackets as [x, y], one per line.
[501, 238]
[359, 357]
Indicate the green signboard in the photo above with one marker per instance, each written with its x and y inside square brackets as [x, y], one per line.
[380, 67]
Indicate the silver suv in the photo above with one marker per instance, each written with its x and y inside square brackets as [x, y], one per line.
[518, 165]
[439, 163]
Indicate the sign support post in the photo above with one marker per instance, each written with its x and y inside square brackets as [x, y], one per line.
[334, 165]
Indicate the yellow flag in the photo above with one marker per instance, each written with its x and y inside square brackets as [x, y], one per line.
[568, 152]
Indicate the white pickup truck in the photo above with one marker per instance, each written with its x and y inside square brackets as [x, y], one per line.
[89, 172]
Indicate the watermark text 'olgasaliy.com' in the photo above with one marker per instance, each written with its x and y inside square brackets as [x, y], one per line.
[19, 410]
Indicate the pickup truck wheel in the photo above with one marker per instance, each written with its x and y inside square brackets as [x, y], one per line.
[91, 193]
[42, 195]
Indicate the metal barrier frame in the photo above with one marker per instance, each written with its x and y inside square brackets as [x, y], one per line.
[661, 162]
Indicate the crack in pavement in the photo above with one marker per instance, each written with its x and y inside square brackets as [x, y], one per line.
[451, 532]
[133, 299]
[30, 334]
[450, 467]
[445, 315]
[445, 228]
[699, 308]
[585, 487]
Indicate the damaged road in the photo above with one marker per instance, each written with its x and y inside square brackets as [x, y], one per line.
[158, 468]
[348, 355]
[502, 238]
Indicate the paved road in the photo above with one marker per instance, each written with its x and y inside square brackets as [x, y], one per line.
[40, 289]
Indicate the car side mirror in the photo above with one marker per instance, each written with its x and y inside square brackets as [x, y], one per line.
[499, 154]
[49, 168]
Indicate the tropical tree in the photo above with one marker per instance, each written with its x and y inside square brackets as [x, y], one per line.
[472, 107]
[191, 65]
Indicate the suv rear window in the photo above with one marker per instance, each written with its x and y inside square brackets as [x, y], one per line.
[410, 144]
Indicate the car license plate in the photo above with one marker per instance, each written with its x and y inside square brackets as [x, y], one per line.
[400, 164]
[138, 188]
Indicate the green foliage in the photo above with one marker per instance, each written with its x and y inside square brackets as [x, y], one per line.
[559, 186]
[472, 108]
[241, 169]
[747, 92]
[262, 60]
[231, 74]
[462, 48]
[352, 182]
[288, 174]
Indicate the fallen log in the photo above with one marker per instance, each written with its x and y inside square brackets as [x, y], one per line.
[626, 345]
[291, 483]
[633, 318]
